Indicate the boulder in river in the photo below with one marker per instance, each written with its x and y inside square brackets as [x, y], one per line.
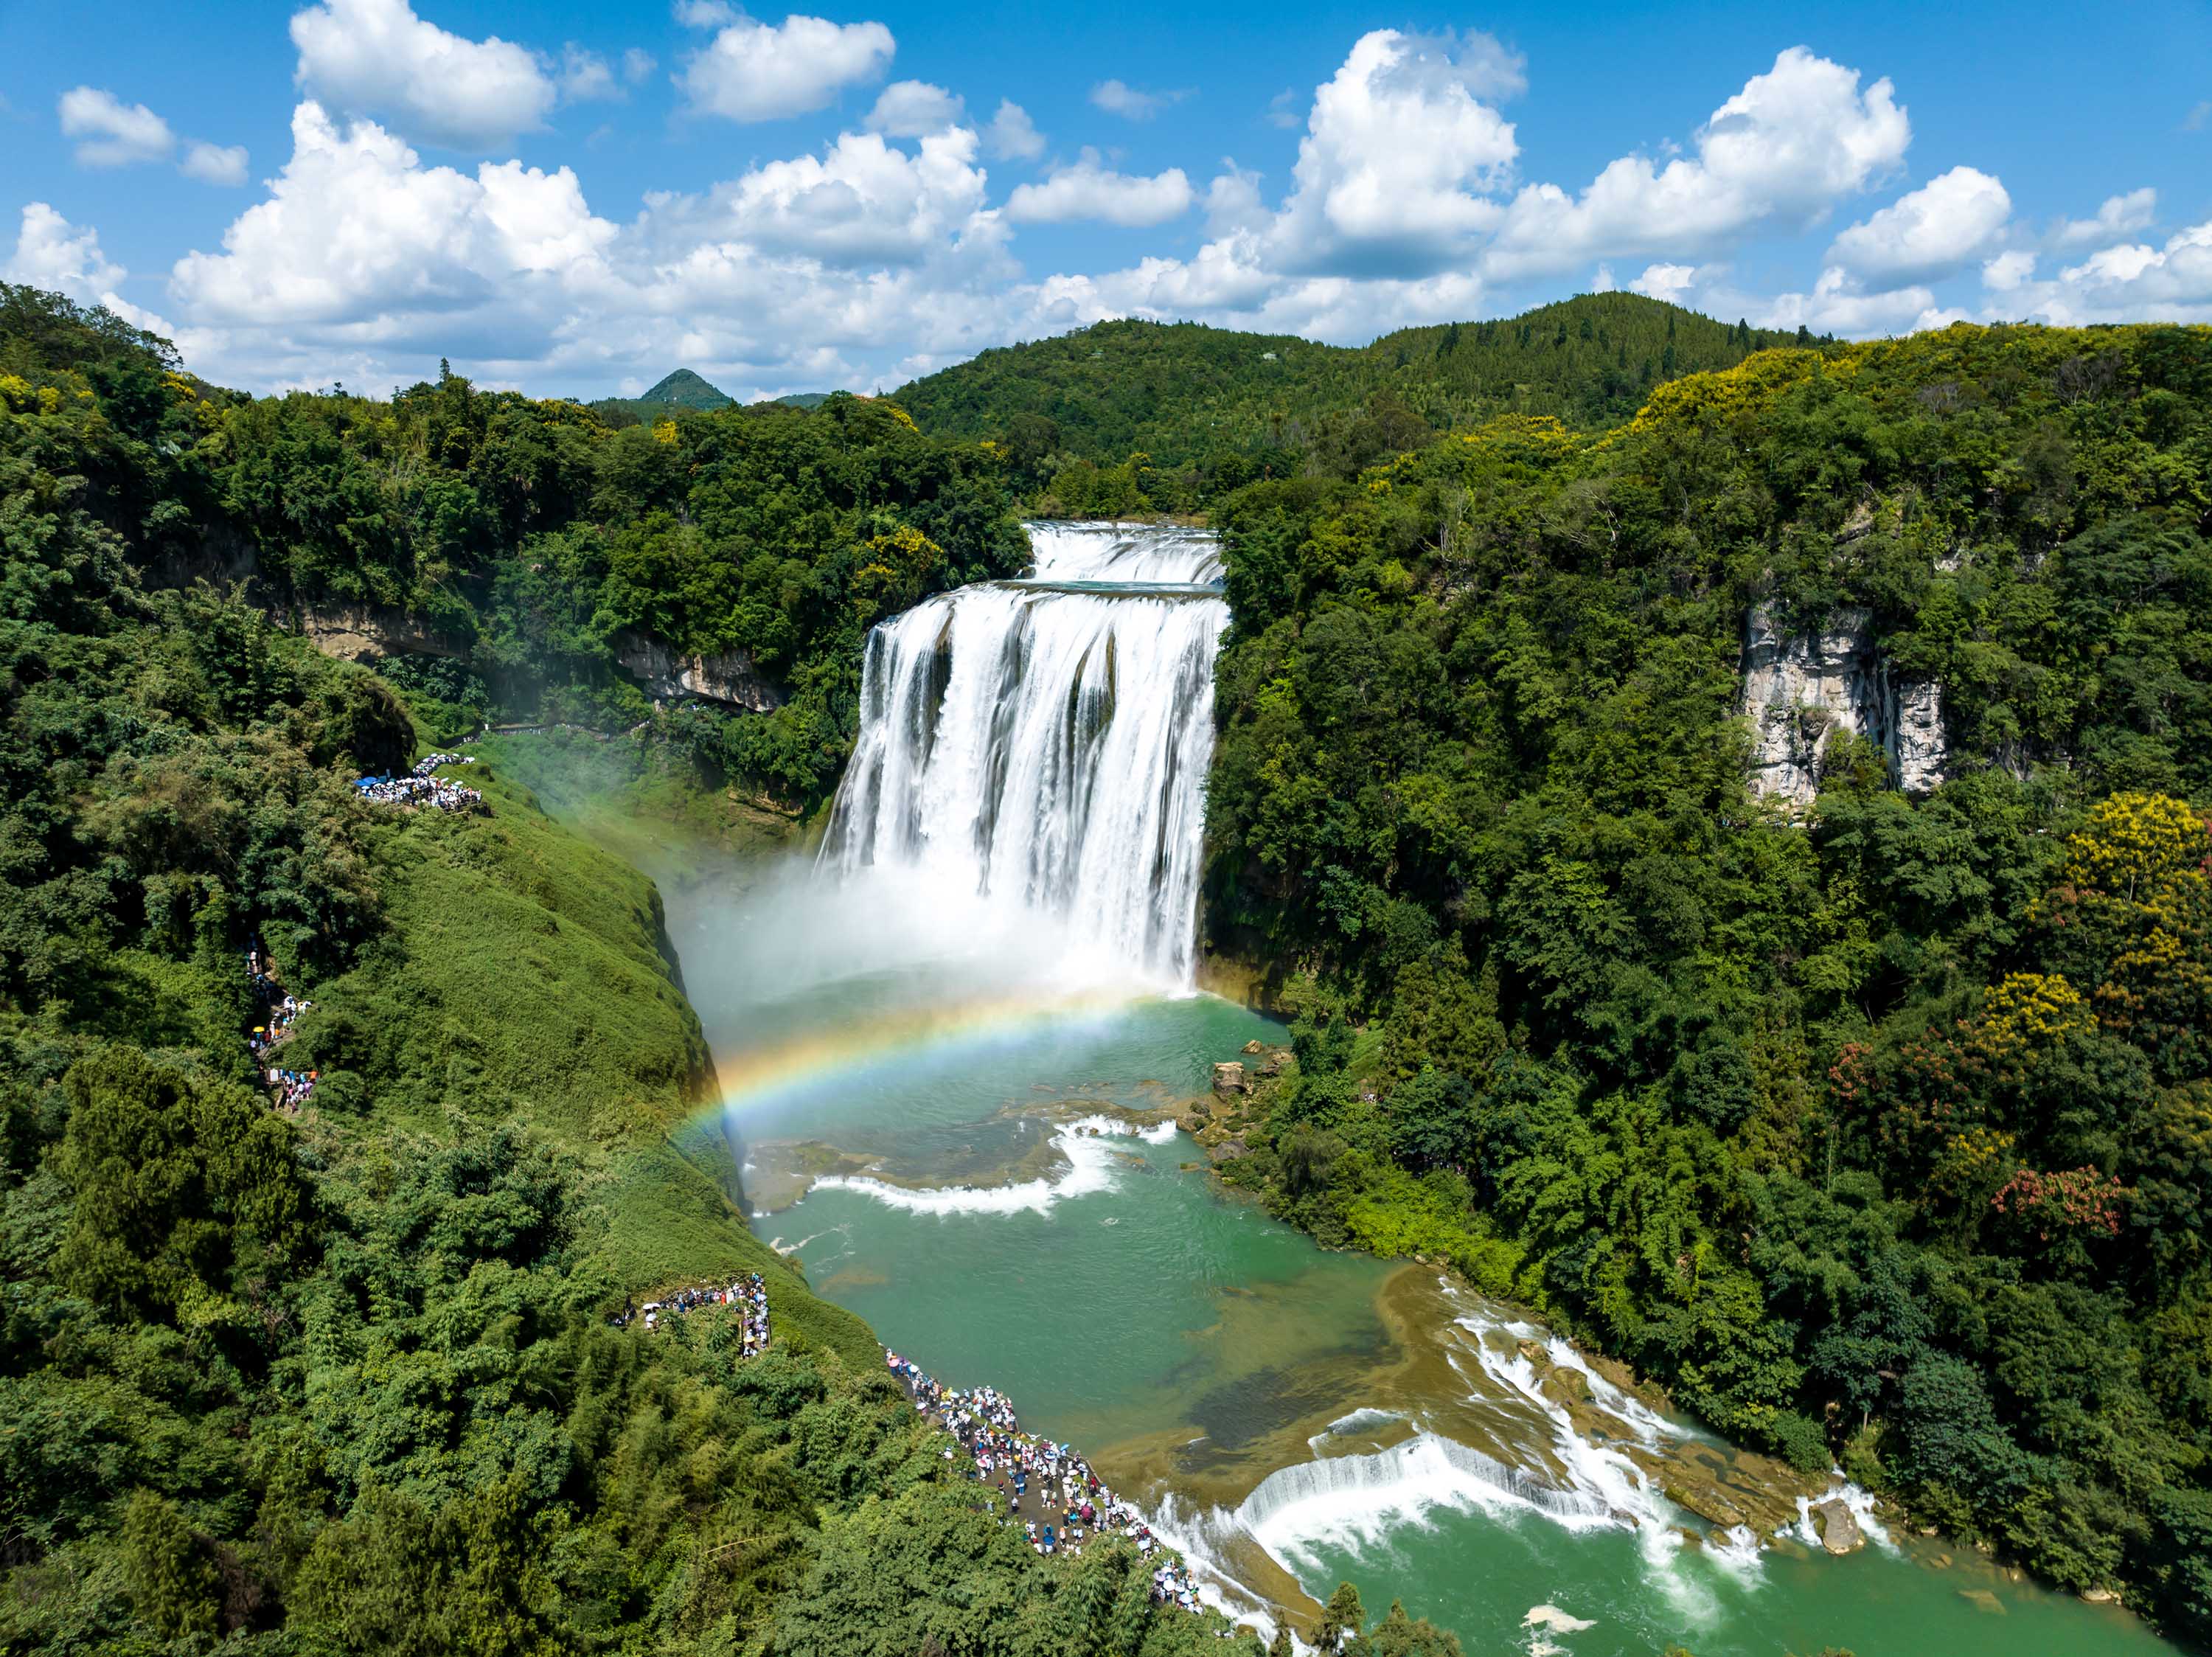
[1838, 1525]
[1253, 1047]
[1228, 1078]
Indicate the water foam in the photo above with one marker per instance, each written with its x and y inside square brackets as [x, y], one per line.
[1089, 1171]
[1860, 1503]
[1100, 551]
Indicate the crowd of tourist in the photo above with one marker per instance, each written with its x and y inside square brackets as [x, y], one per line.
[420, 788]
[278, 1009]
[748, 1294]
[1049, 1490]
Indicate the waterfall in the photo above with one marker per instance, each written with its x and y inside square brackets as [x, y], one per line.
[1045, 741]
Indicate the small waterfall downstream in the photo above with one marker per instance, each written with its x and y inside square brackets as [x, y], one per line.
[1045, 741]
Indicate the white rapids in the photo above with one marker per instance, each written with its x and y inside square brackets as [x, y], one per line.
[1045, 742]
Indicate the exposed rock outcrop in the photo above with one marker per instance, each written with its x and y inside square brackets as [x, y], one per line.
[1228, 1078]
[1838, 1525]
[727, 677]
[370, 632]
[1799, 687]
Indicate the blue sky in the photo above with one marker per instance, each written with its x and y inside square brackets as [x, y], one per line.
[574, 199]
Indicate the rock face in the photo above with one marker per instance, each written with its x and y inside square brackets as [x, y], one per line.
[370, 632]
[1839, 1527]
[727, 677]
[1798, 687]
[1228, 1078]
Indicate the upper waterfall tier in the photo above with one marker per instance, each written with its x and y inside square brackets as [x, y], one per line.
[1050, 747]
[1166, 556]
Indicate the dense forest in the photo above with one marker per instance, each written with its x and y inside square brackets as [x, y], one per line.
[1127, 416]
[1880, 1132]
[1876, 1132]
[345, 1382]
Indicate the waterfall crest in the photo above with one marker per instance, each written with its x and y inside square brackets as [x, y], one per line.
[1045, 741]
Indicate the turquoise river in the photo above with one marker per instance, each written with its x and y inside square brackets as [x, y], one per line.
[973, 1148]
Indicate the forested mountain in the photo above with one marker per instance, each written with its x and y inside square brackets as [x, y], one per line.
[677, 393]
[346, 1381]
[1878, 1131]
[1209, 408]
[1881, 1133]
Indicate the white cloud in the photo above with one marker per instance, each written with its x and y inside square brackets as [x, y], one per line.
[865, 203]
[636, 64]
[52, 253]
[1091, 190]
[376, 57]
[755, 71]
[586, 76]
[908, 109]
[1233, 203]
[1602, 282]
[2009, 270]
[355, 226]
[1840, 304]
[1667, 282]
[1283, 111]
[1120, 98]
[1934, 232]
[1399, 154]
[111, 133]
[1011, 135]
[1779, 153]
[2120, 215]
[214, 163]
[365, 264]
[2132, 281]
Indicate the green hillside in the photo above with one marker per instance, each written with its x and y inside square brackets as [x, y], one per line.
[345, 1380]
[1186, 395]
[687, 390]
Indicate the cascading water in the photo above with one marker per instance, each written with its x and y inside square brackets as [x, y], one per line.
[1045, 741]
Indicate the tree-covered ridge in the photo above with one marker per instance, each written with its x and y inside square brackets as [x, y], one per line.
[1880, 1137]
[347, 1383]
[525, 544]
[1193, 411]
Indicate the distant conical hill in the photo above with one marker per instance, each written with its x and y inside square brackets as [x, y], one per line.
[686, 390]
[1182, 392]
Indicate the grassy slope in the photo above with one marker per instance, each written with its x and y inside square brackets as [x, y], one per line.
[525, 982]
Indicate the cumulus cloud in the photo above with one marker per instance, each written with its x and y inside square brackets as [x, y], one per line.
[2009, 270]
[908, 109]
[365, 263]
[377, 56]
[356, 226]
[1400, 156]
[1089, 189]
[755, 72]
[214, 163]
[1779, 153]
[52, 253]
[2172, 281]
[586, 76]
[1667, 282]
[111, 133]
[2120, 215]
[1934, 232]
[1012, 136]
[1840, 304]
[863, 203]
[1120, 98]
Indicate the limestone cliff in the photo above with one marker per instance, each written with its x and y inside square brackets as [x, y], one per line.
[1800, 687]
[727, 677]
[370, 632]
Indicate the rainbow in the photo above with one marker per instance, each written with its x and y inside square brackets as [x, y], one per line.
[782, 1071]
